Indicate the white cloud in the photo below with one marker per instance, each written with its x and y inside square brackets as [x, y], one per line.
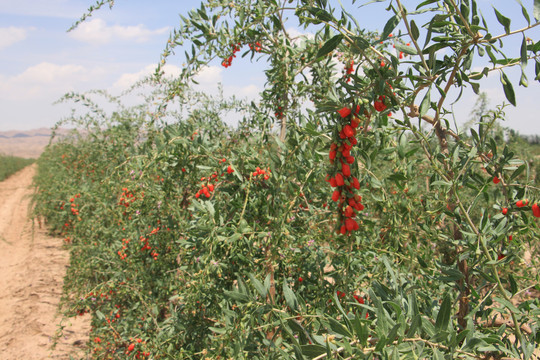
[45, 80]
[97, 32]
[209, 75]
[126, 80]
[11, 35]
[296, 33]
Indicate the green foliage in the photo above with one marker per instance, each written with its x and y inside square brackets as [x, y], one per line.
[11, 164]
[191, 239]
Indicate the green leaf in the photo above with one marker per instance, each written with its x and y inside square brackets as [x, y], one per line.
[451, 274]
[390, 26]
[338, 328]
[503, 20]
[218, 330]
[513, 284]
[320, 14]
[518, 171]
[261, 289]
[441, 183]
[411, 50]
[290, 298]
[415, 324]
[312, 350]
[524, 52]
[536, 10]
[360, 329]
[234, 295]
[361, 43]
[425, 104]
[508, 89]
[443, 317]
[330, 45]
[507, 304]
[414, 30]
[525, 13]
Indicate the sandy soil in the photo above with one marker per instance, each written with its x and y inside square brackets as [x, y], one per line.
[32, 268]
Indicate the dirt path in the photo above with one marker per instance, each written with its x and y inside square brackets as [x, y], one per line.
[32, 268]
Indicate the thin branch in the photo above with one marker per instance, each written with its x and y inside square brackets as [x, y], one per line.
[418, 50]
[510, 33]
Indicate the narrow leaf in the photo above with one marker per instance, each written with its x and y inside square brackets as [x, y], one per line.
[525, 13]
[536, 10]
[443, 317]
[503, 20]
[290, 298]
[524, 52]
[425, 104]
[312, 351]
[411, 50]
[390, 26]
[414, 30]
[338, 328]
[330, 45]
[261, 289]
[508, 89]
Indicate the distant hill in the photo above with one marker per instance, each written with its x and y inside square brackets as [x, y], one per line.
[26, 144]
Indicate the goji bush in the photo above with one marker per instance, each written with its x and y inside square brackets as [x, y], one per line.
[342, 218]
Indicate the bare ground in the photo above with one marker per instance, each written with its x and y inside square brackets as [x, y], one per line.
[32, 268]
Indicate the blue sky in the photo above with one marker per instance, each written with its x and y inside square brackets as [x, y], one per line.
[40, 61]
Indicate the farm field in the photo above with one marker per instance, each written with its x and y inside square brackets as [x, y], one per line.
[346, 215]
[33, 267]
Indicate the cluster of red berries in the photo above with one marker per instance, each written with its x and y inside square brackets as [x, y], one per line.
[358, 299]
[228, 61]
[236, 47]
[256, 47]
[520, 203]
[261, 173]
[131, 347]
[523, 203]
[207, 187]
[379, 104]
[74, 210]
[126, 198]
[349, 203]
[349, 69]
[122, 252]
[206, 190]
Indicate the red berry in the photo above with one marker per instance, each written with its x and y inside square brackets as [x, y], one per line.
[536, 210]
[339, 180]
[230, 169]
[346, 169]
[344, 112]
[348, 130]
[359, 299]
[355, 183]
[496, 180]
[522, 203]
[349, 212]
[336, 195]
[505, 211]
[300, 279]
[332, 155]
[351, 224]
[131, 347]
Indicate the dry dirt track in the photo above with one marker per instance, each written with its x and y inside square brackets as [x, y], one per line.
[32, 268]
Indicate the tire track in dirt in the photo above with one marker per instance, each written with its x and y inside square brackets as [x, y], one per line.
[32, 268]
